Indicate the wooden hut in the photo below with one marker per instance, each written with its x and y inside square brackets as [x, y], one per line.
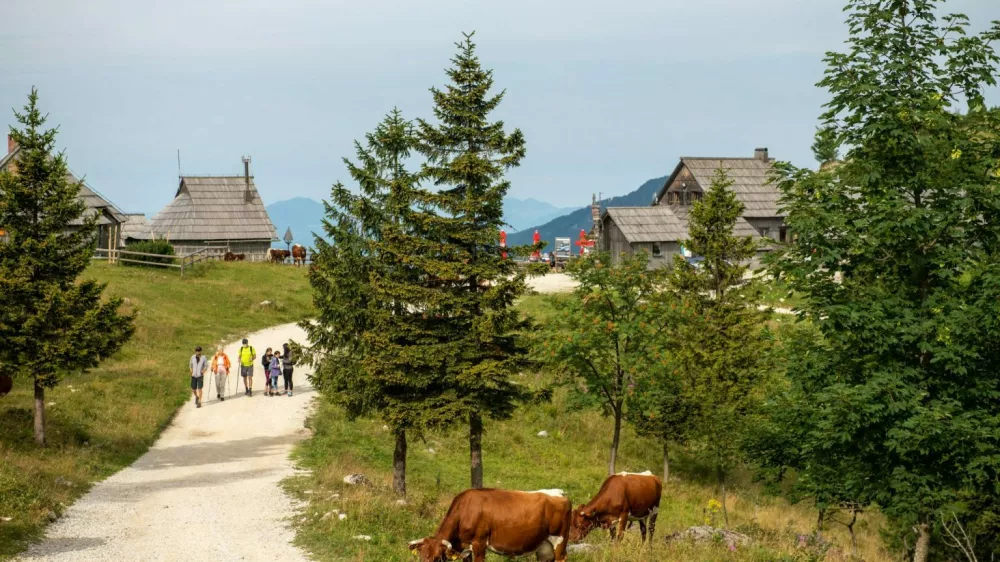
[216, 211]
[109, 217]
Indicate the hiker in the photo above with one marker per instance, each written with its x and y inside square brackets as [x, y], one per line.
[221, 366]
[198, 365]
[287, 366]
[265, 361]
[275, 373]
[247, 356]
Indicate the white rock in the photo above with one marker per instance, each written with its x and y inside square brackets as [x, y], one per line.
[362, 537]
[5, 519]
[400, 502]
[342, 516]
[431, 451]
[582, 547]
[356, 479]
[543, 433]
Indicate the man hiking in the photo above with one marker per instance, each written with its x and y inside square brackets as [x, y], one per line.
[221, 366]
[247, 356]
[198, 365]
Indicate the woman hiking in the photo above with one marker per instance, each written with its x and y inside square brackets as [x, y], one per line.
[287, 366]
[220, 367]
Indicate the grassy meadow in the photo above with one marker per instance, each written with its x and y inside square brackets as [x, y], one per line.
[101, 421]
[573, 458]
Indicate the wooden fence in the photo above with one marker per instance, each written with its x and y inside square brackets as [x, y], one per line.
[182, 262]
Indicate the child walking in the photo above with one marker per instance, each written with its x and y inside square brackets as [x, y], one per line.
[275, 374]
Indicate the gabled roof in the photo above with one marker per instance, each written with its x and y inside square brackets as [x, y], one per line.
[214, 208]
[661, 223]
[136, 227]
[751, 181]
[96, 203]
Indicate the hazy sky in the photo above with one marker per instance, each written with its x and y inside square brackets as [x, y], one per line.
[608, 94]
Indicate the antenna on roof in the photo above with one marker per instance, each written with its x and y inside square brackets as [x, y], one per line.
[178, 164]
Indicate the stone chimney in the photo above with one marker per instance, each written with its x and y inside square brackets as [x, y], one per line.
[11, 144]
[760, 154]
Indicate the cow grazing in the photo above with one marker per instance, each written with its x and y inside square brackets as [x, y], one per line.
[501, 521]
[624, 497]
[298, 255]
[277, 256]
[234, 257]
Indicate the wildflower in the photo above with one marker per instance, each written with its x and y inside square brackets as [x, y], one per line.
[956, 154]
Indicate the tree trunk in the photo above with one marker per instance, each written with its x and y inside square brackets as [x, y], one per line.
[923, 547]
[399, 464]
[722, 492]
[39, 413]
[476, 449]
[854, 538]
[613, 459]
[666, 461]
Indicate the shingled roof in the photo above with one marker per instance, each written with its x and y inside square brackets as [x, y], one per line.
[214, 208]
[662, 223]
[136, 227]
[751, 180]
[96, 203]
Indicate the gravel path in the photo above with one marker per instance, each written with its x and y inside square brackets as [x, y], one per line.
[207, 490]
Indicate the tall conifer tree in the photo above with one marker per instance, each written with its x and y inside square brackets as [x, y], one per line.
[51, 323]
[374, 343]
[467, 157]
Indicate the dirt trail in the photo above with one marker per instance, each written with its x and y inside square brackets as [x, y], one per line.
[207, 490]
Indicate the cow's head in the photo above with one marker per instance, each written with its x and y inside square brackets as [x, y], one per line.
[434, 550]
[583, 523]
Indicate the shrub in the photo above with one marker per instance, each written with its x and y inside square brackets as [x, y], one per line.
[161, 247]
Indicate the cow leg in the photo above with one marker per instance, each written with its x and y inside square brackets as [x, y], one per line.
[642, 529]
[652, 524]
[622, 521]
[478, 552]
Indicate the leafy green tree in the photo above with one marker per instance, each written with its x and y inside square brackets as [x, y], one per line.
[376, 349]
[51, 323]
[467, 156]
[826, 147]
[722, 347]
[910, 219]
[605, 336]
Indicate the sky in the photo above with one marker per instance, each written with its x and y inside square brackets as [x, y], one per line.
[608, 94]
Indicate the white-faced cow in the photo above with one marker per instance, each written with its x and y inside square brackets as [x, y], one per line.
[298, 254]
[624, 497]
[501, 521]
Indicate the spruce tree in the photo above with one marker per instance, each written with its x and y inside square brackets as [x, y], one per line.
[376, 349]
[51, 323]
[722, 344]
[467, 156]
[911, 221]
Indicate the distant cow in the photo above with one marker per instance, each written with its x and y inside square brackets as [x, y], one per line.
[298, 255]
[234, 257]
[502, 521]
[277, 256]
[624, 497]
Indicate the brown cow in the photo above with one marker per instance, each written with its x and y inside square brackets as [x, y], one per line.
[624, 497]
[502, 521]
[298, 254]
[277, 256]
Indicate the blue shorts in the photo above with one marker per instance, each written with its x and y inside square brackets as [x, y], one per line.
[197, 383]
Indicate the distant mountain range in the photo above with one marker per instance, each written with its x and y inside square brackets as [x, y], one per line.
[305, 216]
[570, 225]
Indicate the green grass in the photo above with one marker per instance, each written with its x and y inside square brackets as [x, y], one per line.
[573, 458]
[100, 422]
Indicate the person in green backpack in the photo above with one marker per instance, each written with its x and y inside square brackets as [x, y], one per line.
[247, 356]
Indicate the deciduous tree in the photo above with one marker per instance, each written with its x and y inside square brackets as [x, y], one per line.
[911, 219]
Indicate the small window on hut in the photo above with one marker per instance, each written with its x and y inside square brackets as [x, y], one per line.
[783, 234]
[656, 249]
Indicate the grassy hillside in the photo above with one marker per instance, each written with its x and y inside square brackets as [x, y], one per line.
[573, 458]
[100, 422]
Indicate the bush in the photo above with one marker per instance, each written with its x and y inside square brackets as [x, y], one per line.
[161, 247]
